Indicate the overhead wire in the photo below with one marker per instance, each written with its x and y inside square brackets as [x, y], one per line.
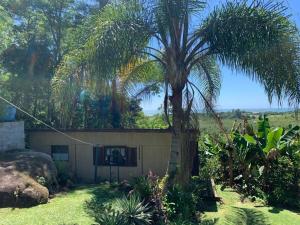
[47, 125]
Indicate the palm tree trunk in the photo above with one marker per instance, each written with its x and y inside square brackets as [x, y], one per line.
[175, 153]
[230, 168]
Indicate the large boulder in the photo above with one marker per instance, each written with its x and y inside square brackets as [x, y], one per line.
[21, 174]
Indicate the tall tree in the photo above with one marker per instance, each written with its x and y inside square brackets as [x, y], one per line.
[257, 38]
[40, 39]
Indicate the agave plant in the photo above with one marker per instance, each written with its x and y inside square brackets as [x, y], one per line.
[133, 211]
[110, 217]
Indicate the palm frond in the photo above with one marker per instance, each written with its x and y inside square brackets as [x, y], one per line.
[138, 72]
[258, 39]
[208, 75]
[172, 19]
[121, 32]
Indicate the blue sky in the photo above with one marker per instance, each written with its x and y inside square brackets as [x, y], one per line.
[238, 90]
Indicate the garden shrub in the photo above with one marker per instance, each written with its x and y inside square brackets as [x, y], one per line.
[151, 191]
[281, 181]
[64, 177]
[260, 164]
[199, 190]
[144, 187]
[179, 203]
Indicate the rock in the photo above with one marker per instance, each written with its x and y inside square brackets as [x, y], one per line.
[19, 172]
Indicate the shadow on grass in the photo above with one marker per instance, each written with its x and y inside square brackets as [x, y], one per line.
[209, 222]
[101, 195]
[246, 216]
[210, 206]
[278, 209]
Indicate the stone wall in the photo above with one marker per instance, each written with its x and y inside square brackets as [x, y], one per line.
[12, 135]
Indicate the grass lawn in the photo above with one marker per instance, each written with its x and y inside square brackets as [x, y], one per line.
[234, 212]
[70, 209]
[65, 209]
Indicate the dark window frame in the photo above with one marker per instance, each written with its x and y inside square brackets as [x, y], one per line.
[60, 146]
[130, 161]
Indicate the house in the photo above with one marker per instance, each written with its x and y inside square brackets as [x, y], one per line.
[115, 154]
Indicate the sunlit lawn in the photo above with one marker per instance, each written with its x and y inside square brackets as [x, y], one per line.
[234, 212]
[67, 209]
[70, 209]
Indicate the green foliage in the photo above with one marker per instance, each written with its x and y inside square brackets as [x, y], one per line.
[244, 36]
[179, 203]
[124, 211]
[110, 217]
[64, 177]
[150, 188]
[153, 122]
[133, 211]
[144, 187]
[265, 162]
[282, 182]
[41, 180]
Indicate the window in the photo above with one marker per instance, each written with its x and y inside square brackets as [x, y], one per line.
[115, 156]
[60, 152]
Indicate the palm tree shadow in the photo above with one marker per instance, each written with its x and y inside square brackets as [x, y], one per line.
[210, 222]
[101, 195]
[246, 216]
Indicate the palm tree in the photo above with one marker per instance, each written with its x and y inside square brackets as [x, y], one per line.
[256, 38]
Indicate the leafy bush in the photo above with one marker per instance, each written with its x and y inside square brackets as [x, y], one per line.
[179, 203]
[64, 177]
[199, 188]
[282, 183]
[150, 188]
[261, 163]
[144, 187]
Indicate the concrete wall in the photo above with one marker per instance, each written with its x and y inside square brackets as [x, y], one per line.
[153, 150]
[12, 135]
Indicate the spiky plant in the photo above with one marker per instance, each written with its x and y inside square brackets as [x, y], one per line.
[110, 217]
[133, 211]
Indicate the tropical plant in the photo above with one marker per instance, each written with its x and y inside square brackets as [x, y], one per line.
[133, 211]
[179, 203]
[265, 162]
[255, 37]
[110, 217]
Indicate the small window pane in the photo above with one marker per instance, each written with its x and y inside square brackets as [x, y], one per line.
[60, 152]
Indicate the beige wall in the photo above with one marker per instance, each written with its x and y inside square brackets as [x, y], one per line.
[153, 149]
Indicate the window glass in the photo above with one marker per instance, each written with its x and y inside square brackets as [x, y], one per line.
[60, 152]
[115, 156]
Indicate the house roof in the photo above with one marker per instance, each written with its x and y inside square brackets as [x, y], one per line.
[123, 130]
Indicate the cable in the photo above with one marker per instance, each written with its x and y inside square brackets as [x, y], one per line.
[47, 125]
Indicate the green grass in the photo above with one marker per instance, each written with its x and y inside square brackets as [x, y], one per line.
[65, 209]
[234, 212]
[71, 208]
